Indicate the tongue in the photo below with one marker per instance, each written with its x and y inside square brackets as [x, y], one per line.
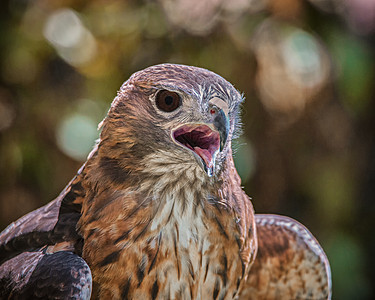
[207, 158]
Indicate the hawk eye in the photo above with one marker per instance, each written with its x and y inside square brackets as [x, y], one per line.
[167, 101]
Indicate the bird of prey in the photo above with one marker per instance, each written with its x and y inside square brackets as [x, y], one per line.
[157, 211]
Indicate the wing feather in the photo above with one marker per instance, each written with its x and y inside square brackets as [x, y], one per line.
[38, 275]
[50, 224]
[290, 263]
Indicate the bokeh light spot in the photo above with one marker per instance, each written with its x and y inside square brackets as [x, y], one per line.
[76, 135]
[244, 158]
[72, 41]
[64, 28]
[302, 58]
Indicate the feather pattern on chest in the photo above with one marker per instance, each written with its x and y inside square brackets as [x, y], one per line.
[174, 237]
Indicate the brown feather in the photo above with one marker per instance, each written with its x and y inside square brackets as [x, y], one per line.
[290, 263]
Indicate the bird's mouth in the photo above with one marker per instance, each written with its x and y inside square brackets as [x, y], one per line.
[202, 140]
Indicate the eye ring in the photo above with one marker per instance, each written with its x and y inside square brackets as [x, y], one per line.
[167, 101]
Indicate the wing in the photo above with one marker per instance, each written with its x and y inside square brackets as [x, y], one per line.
[48, 225]
[290, 263]
[40, 252]
[38, 275]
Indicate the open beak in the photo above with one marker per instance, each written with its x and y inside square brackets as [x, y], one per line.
[204, 142]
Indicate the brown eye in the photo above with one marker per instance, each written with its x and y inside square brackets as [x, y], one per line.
[167, 101]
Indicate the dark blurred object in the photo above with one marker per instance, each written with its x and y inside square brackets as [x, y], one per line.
[306, 68]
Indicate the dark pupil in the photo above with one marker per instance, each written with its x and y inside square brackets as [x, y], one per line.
[168, 100]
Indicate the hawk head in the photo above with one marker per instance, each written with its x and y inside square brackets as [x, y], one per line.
[168, 119]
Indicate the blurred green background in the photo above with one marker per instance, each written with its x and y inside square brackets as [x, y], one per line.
[305, 67]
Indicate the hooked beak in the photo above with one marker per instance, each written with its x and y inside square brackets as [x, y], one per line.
[221, 123]
[204, 142]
